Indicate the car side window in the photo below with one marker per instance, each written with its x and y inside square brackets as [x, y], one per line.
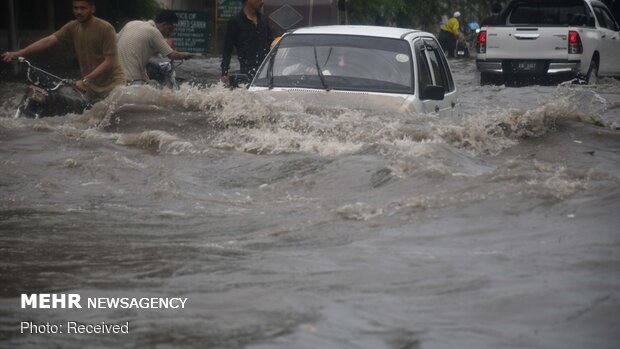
[441, 70]
[432, 65]
[424, 71]
[609, 20]
[438, 74]
[599, 17]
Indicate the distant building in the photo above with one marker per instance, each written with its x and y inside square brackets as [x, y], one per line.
[283, 15]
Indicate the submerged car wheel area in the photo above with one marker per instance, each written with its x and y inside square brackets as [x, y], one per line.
[405, 67]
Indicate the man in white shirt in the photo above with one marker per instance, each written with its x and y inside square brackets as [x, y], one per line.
[138, 41]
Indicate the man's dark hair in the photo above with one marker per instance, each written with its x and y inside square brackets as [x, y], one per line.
[167, 16]
[91, 2]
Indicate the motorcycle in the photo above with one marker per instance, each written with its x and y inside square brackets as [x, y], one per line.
[163, 73]
[470, 32]
[49, 95]
[462, 49]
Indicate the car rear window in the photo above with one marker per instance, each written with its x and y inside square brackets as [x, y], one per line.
[548, 13]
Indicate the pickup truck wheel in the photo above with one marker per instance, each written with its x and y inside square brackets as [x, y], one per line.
[592, 77]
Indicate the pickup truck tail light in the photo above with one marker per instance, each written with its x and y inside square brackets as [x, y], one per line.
[574, 42]
[481, 42]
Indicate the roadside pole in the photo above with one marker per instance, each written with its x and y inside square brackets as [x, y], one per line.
[13, 33]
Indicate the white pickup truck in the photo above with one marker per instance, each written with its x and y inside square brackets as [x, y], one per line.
[541, 38]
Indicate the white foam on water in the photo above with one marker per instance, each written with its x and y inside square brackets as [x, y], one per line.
[159, 141]
[261, 124]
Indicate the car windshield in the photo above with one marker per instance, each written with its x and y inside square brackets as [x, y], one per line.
[339, 62]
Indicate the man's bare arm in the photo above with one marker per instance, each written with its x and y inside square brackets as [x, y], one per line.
[35, 47]
[104, 67]
[179, 55]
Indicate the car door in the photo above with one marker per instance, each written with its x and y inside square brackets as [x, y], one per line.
[432, 69]
[610, 42]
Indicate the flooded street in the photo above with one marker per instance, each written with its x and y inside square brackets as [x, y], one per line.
[305, 226]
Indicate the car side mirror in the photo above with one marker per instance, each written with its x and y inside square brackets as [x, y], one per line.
[433, 92]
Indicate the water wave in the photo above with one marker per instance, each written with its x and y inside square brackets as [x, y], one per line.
[164, 120]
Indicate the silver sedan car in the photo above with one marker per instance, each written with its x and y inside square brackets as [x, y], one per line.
[381, 67]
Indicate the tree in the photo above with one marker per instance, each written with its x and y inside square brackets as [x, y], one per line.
[419, 14]
[366, 11]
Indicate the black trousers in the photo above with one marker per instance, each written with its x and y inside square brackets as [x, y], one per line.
[447, 42]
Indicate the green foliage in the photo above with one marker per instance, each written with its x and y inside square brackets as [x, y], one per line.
[138, 8]
[366, 11]
[419, 14]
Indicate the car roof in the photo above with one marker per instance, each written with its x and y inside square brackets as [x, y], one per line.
[361, 30]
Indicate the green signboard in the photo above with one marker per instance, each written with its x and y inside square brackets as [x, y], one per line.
[228, 8]
[191, 33]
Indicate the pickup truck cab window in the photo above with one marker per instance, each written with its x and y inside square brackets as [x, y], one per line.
[605, 18]
[546, 14]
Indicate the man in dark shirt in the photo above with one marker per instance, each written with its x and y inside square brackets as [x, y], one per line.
[248, 31]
